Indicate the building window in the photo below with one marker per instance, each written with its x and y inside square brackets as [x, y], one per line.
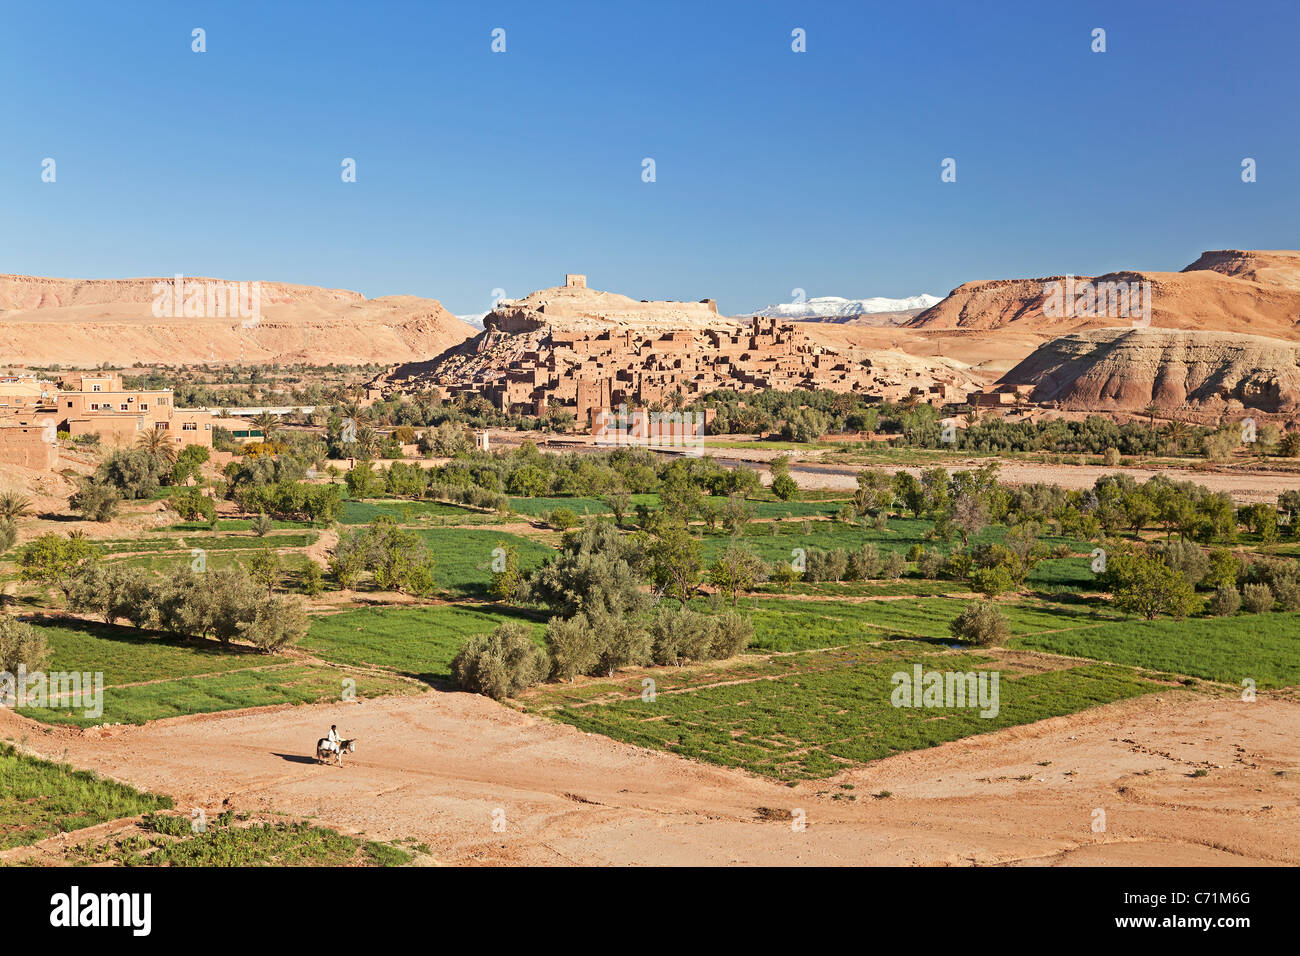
[144, 406]
[189, 427]
[126, 407]
[96, 388]
[160, 426]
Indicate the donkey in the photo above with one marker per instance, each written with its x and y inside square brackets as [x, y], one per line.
[324, 750]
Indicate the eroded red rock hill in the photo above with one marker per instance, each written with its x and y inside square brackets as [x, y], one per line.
[83, 322]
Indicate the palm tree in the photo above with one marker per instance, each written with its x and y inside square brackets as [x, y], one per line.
[156, 444]
[267, 424]
[1177, 432]
[14, 506]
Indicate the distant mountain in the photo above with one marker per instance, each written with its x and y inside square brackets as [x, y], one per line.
[834, 307]
[83, 322]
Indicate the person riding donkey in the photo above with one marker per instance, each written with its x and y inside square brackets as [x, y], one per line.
[332, 738]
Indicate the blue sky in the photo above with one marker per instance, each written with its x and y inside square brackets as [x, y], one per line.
[775, 170]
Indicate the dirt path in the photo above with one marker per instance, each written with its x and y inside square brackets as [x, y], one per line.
[1244, 487]
[439, 766]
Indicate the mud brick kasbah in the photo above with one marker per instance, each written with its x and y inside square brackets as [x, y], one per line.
[585, 350]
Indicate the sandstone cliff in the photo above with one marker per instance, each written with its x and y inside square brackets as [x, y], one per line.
[82, 322]
[1229, 291]
[1129, 369]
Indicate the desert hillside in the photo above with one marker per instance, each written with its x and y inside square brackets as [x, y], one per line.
[82, 322]
[1232, 291]
[1129, 369]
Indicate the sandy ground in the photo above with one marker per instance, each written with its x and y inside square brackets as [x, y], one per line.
[442, 767]
[1244, 487]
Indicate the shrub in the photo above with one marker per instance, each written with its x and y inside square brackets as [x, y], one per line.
[21, 645]
[680, 635]
[863, 563]
[500, 664]
[95, 501]
[1286, 591]
[192, 504]
[276, 622]
[261, 524]
[1257, 598]
[991, 581]
[313, 579]
[1224, 601]
[8, 534]
[784, 487]
[1185, 557]
[573, 646]
[930, 564]
[732, 634]
[981, 623]
[562, 519]
[894, 566]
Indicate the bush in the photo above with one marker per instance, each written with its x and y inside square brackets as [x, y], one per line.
[981, 623]
[930, 564]
[313, 579]
[1257, 598]
[680, 635]
[1286, 591]
[1185, 557]
[500, 664]
[96, 502]
[784, 487]
[192, 504]
[732, 634]
[562, 519]
[863, 564]
[1224, 601]
[8, 534]
[275, 623]
[21, 645]
[573, 646]
[894, 566]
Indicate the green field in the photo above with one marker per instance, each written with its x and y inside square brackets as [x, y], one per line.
[793, 625]
[402, 510]
[209, 542]
[167, 840]
[149, 676]
[39, 799]
[464, 557]
[1262, 647]
[813, 724]
[416, 641]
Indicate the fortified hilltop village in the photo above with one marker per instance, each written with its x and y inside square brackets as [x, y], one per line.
[587, 351]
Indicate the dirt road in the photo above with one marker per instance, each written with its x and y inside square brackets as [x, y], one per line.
[444, 767]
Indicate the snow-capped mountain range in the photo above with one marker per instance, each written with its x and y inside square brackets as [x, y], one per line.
[833, 306]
